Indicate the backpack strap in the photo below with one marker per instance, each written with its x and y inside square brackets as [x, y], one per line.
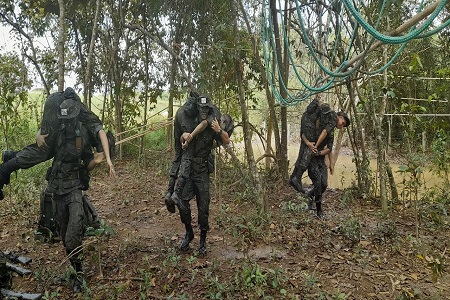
[78, 140]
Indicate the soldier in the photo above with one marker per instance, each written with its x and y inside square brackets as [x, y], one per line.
[316, 115]
[67, 177]
[184, 132]
[198, 182]
[314, 159]
[44, 148]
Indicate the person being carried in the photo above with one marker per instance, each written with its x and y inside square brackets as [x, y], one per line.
[316, 115]
[44, 147]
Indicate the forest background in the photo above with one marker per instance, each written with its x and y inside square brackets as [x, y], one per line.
[133, 63]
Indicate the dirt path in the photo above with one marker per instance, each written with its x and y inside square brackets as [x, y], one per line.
[355, 253]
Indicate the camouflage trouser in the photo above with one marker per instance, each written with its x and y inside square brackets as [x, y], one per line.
[318, 173]
[177, 159]
[32, 155]
[70, 218]
[302, 162]
[198, 184]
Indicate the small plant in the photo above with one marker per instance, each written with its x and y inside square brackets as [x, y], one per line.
[351, 229]
[408, 294]
[172, 259]
[436, 265]
[291, 206]
[52, 295]
[386, 232]
[148, 282]
[251, 278]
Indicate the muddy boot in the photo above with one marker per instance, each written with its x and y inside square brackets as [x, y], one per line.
[188, 237]
[5, 173]
[319, 210]
[78, 276]
[202, 247]
[8, 155]
[78, 283]
[168, 199]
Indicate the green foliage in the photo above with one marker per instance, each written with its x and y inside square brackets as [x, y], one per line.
[251, 278]
[351, 229]
[14, 85]
[441, 154]
[292, 207]
[386, 232]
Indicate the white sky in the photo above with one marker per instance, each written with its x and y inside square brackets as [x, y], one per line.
[7, 45]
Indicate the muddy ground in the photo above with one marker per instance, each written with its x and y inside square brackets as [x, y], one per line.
[356, 252]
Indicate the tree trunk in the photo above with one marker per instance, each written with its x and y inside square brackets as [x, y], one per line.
[89, 66]
[282, 151]
[61, 41]
[272, 124]
[248, 141]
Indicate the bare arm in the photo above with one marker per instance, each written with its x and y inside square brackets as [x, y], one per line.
[322, 136]
[186, 137]
[105, 145]
[223, 134]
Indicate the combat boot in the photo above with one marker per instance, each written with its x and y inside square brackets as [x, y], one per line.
[188, 237]
[78, 277]
[170, 204]
[8, 155]
[5, 173]
[202, 247]
[319, 210]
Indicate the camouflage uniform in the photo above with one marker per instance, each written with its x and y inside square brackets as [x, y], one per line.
[317, 169]
[32, 154]
[71, 159]
[185, 121]
[315, 117]
[198, 183]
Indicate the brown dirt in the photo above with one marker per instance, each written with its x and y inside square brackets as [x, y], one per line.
[356, 252]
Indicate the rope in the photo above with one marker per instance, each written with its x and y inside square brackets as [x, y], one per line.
[344, 12]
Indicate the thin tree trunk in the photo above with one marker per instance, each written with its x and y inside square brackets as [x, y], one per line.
[282, 151]
[87, 79]
[248, 141]
[61, 41]
[272, 123]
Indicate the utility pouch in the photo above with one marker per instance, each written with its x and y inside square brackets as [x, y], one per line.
[47, 227]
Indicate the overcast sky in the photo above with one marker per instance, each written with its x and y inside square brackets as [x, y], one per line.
[7, 44]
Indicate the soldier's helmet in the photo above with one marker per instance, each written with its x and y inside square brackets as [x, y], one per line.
[69, 109]
[204, 101]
